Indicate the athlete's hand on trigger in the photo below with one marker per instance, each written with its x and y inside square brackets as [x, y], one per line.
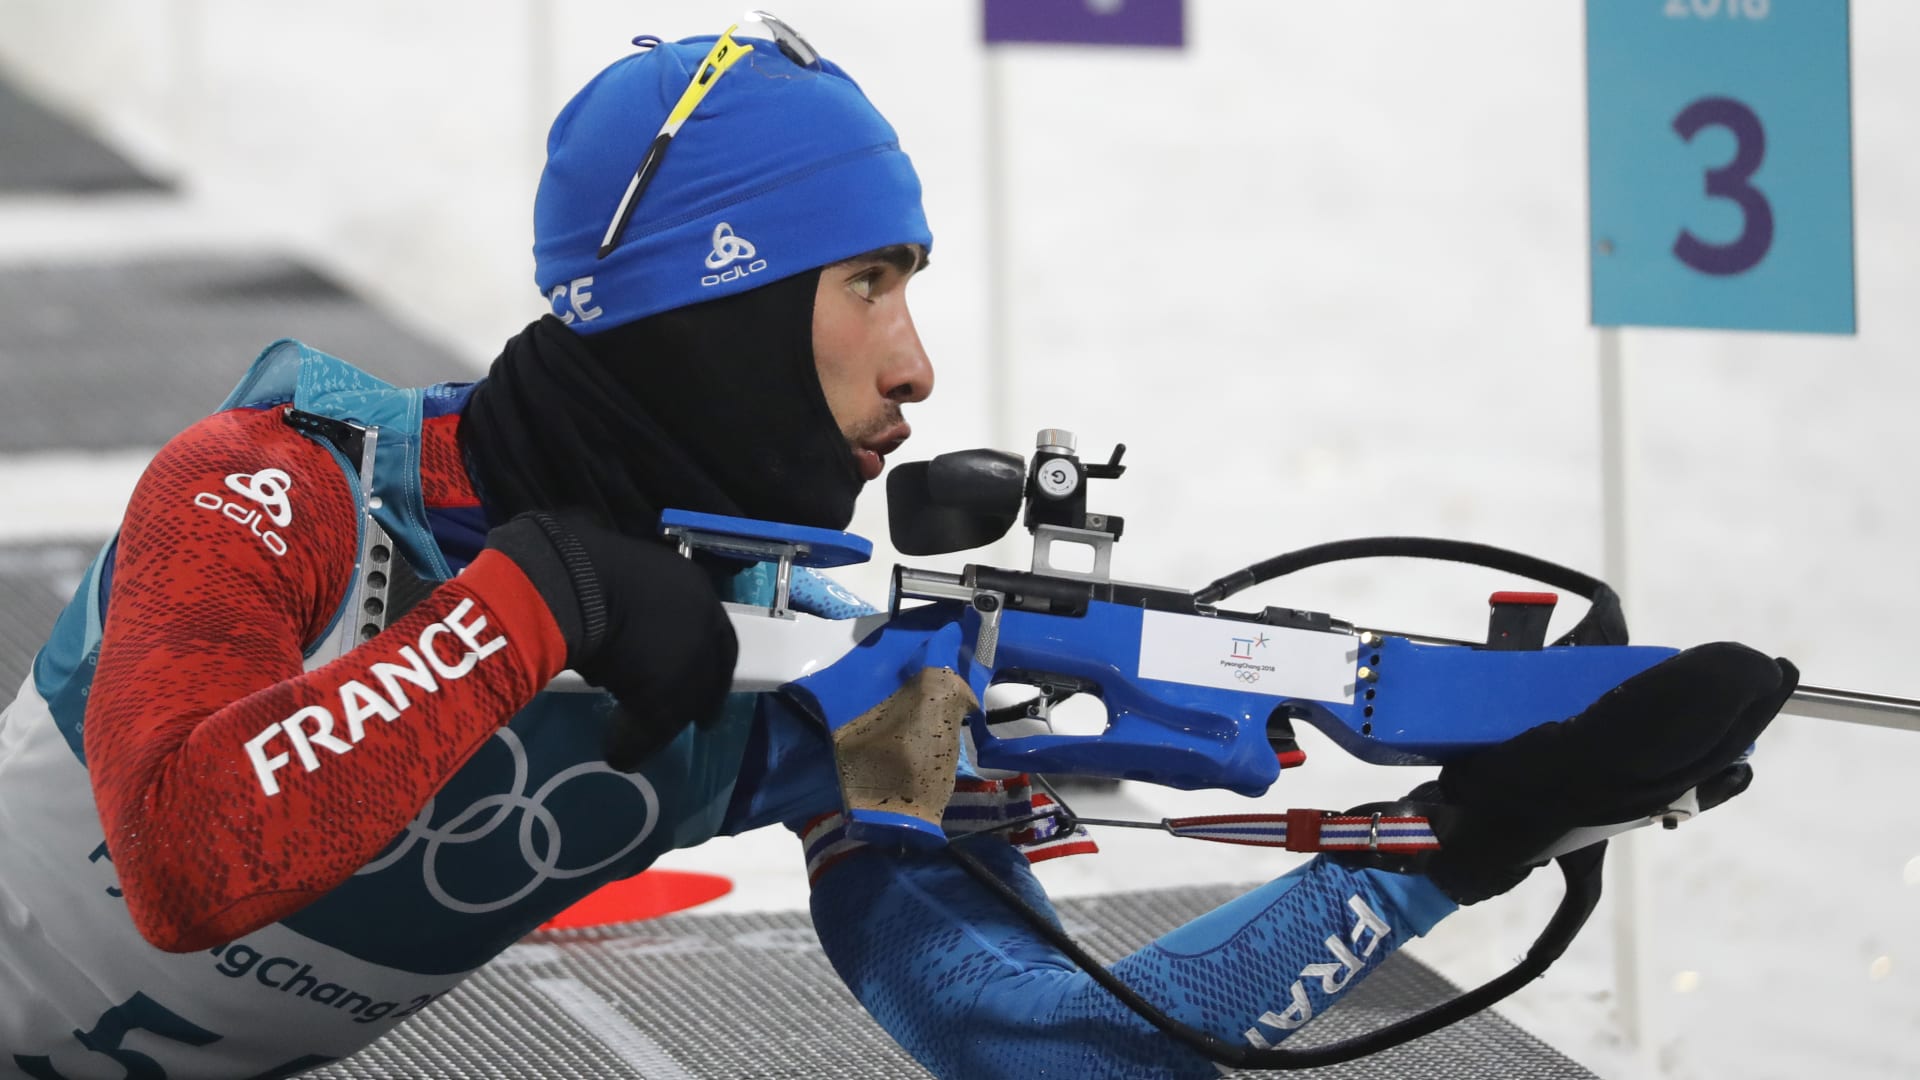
[640, 622]
[1683, 724]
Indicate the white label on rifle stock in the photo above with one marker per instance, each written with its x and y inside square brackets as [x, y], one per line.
[1228, 655]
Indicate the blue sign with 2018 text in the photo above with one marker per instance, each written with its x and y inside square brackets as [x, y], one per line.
[1720, 158]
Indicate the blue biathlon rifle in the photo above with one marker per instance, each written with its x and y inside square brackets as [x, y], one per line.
[1197, 695]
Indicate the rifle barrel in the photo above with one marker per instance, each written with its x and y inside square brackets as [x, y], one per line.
[1855, 707]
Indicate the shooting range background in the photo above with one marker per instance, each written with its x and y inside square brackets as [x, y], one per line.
[1323, 271]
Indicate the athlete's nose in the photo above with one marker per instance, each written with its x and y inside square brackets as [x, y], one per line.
[909, 375]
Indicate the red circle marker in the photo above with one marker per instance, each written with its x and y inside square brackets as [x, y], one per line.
[643, 896]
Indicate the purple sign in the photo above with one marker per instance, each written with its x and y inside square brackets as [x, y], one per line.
[1088, 22]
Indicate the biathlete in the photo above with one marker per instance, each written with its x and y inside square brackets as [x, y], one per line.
[285, 772]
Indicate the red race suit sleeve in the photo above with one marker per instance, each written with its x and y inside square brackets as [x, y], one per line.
[235, 788]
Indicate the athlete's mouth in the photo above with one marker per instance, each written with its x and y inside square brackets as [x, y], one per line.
[869, 454]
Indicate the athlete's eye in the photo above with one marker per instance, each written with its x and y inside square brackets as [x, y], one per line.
[864, 283]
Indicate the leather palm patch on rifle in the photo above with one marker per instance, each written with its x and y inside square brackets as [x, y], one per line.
[900, 755]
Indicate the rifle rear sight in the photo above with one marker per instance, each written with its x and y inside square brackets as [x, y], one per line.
[1056, 496]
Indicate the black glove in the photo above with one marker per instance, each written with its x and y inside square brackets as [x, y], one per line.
[640, 622]
[1680, 724]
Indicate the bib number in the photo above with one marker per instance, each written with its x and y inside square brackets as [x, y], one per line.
[142, 1013]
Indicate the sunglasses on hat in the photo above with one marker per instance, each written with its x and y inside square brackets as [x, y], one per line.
[722, 56]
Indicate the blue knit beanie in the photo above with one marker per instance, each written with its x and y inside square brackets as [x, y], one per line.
[779, 170]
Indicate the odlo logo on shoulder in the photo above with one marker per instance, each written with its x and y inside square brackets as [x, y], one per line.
[268, 488]
[729, 249]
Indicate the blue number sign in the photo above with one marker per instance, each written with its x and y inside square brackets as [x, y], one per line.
[1087, 22]
[1720, 151]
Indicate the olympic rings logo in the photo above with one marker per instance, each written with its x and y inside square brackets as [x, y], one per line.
[542, 858]
[1246, 676]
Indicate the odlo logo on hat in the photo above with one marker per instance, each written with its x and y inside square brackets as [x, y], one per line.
[729, 250]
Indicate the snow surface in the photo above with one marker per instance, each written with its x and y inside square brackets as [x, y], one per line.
[1323, 272]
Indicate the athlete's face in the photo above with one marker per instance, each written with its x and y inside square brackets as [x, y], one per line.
[867, 351]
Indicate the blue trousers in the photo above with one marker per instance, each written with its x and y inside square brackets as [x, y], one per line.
[971, 990]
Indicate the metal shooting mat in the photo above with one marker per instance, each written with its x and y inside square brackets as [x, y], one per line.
[42, 153]
[705, 997]
[114, 355]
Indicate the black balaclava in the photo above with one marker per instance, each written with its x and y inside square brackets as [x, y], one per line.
[715, 407]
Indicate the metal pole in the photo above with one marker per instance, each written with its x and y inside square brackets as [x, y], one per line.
[189, 88]
[540, 42]
[999, 381]
[1613, 465]
[1630, 900]
[999, 366]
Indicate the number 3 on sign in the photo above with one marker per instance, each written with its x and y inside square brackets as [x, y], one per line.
[1729, 181]
[1707, 9]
